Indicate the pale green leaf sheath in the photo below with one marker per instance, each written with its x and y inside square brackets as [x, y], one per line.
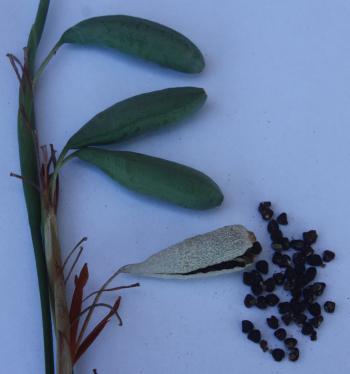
[139, 114]
[138, 37]
[156, 177]
[222, 251]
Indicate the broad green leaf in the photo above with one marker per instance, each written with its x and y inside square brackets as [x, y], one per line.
[156, 177]
[138, 115]
[138, 37]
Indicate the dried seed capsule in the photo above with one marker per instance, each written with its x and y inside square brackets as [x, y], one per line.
[256, 248]
[329, 306]
[314, 309]
[328, 256]
[269, 284]
[249, 301]
[290, 343]
[282, 219]
[299, 319]
[272, 299]
[247, 278]
[316, 321]
[278, 354]
[261, 302]
[272, 226]
[297, 244]
[257, 289]
[310, 237]
[262, 266]
[293, 354]
[279, 278]
[280, 334]
[313, 336]
[307, 329]
[314, 260]
[277, 246]
[263, 345]
[287, 318]
[272, 322]
[247, 326]
[254, 336]
[284, 307]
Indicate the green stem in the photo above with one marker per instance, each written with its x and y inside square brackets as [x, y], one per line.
[43, 65]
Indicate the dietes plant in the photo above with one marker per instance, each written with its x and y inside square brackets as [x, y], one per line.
[225, 250]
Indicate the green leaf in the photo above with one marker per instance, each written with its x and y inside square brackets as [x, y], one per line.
[156, 177]
[138, 37]
[138, 115]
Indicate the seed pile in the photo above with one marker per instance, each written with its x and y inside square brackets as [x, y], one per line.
[299, 265]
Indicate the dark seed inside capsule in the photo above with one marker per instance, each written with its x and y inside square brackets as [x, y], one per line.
[263, 345]
[293, 354]
[314, 260]
[272, 299]
[262, 266]
[280, 334]
[278, 354]
[249, 301]
[247, 326]
[261, 302]
[297, 244]
[328, 256]
[282, 219]
[272, 322]
[329, 306]
[254, 336]
[307, 329]
[290, 343]
[310, 237]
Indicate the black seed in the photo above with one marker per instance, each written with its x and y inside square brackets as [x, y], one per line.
[272, 322]
[290, 343]
[314, 309]
[299, 269]
[299, 258]
[282, 219]
[297, 306]
[300, 319]
[310, 275]
[280, 334]
[247, 278]
[279, 278]
[262, 266]
[285, 243]
[308, 251]
[289, 285]
[247, 326]
[266, 213]
[329, 306]
[287, 318]
[296, 292]
[269, 284]
[276, 236]
[278, 354]
[277, 246]
[263, 345]
[257, 289]
[313, 336]
[316, 321]
[285, 261]
[307, 329]
[284, 307]
[254, 336]
[272, 226]
[256, 249]
[276, 258]
[297, 244]
[261, 302]
[310, 237]
[328, 256]
[272, 299]
[257, 278]
[265, 204]
[249, 301]
[314, 260]
[290, 273]
[318, 288]
[293, 354]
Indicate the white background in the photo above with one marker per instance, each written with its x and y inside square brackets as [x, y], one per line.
[276, 126]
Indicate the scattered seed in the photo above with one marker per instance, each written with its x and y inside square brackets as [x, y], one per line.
[297, 244]
[280, 334]
[314, 309]
[247, 326]
[329, 306]
[277, 246]
[269, 284]
[272, 322]
[272, 299]
[272, 226]
[257, 289]
[284, 307]
[261, 302]
[263, 345]
[316, 321]
[290, 343]
[254, 336]
[256, 249]
[313, 336]
[318, 288]
[282, 219]
[299, 258]
[287, 318]
[285, 243]
[277, 236]
[328, 256]
[310, 237]
[262, 266]
[314, 260]
[307, 329]
[293, 354]
[300, 319]
[249, 301]
[279, 278]
[310, 275]
[278, 354]
[247, 278]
